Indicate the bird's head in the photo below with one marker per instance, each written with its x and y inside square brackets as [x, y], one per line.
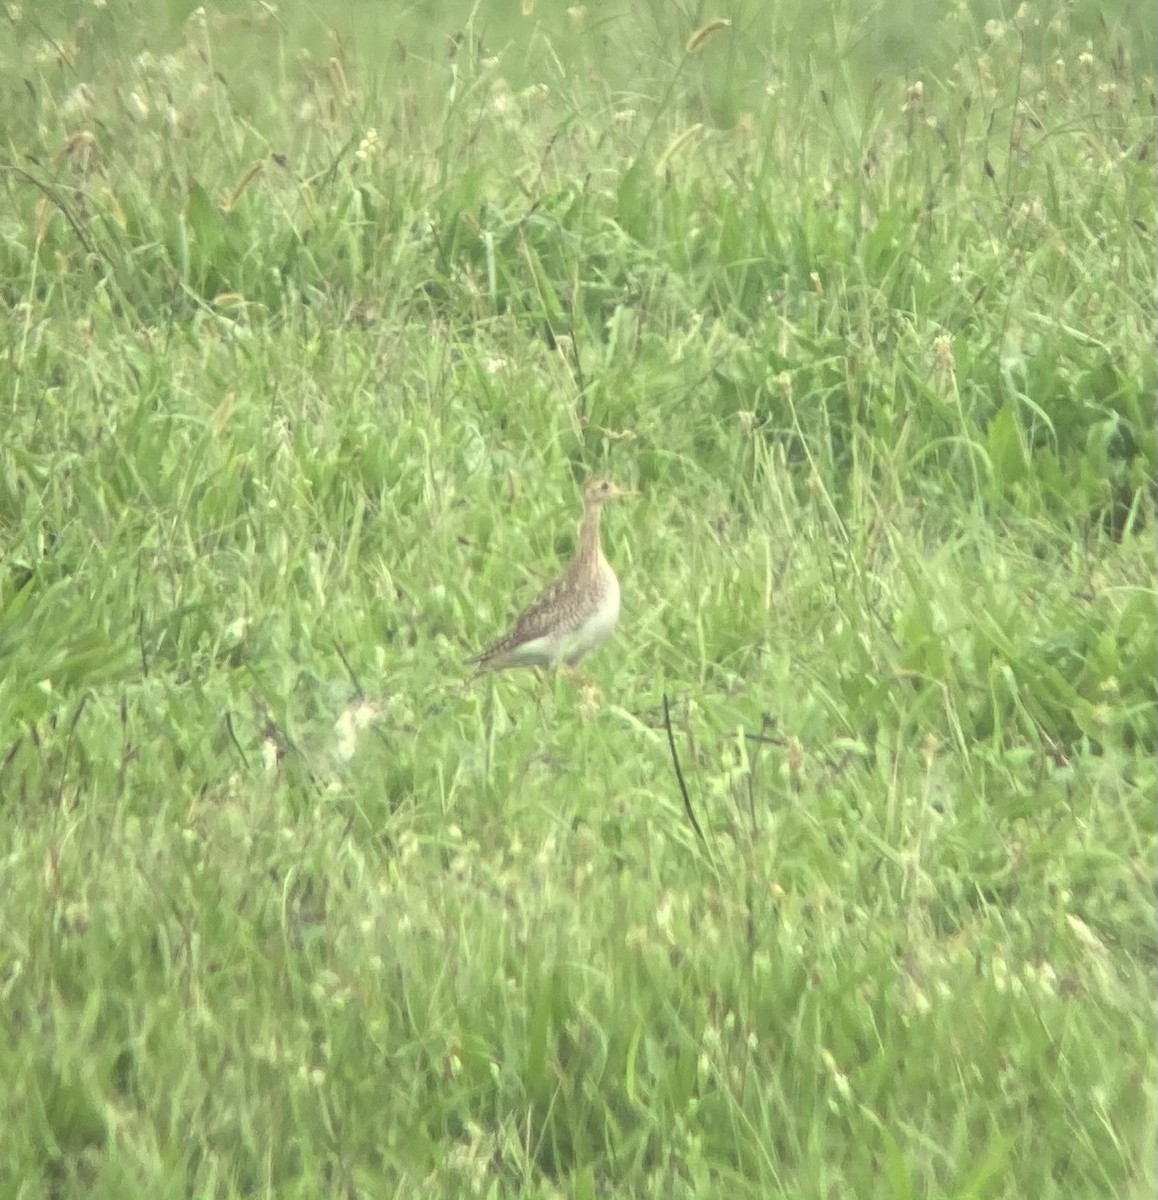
[599, 490]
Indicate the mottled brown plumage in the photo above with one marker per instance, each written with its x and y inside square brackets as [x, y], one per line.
[577, 612]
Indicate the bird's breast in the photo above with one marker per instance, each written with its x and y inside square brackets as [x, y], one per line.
[601, 623]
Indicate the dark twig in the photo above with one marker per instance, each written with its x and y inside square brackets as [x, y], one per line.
[767, 735]
[678, 772]
[358, 689]
[57, 199]
[68, 748]
[128, 750]
[11, 754]
[233, 738]
[762, 739]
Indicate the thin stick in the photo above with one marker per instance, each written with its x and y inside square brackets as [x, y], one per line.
[358, 690]
[68, 749]
[678, 772]
[233, 738]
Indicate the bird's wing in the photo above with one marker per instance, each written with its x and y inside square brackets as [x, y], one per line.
[552, 610]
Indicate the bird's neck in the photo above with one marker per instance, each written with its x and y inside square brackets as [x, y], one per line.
[589, 548]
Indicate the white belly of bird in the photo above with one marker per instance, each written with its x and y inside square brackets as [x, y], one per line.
[570, 645]
[598, 627]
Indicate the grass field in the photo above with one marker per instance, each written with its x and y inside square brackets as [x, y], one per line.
[315, 317]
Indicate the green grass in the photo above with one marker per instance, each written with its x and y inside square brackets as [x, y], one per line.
[314, 317]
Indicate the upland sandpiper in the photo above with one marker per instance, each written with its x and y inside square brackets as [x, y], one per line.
[575, 614]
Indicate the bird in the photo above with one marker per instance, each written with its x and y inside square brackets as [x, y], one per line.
[577, 612]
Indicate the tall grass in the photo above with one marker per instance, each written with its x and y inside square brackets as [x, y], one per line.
[315, 317]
